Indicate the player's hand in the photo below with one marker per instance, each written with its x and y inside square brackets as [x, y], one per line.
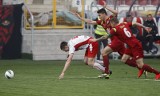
[92, 40]
[104, 4]
[148, 29]
[61, 76]
[76, 14]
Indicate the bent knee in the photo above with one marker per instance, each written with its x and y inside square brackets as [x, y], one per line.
[140, 65]
[89, 62]
[123, 60]
[104, 53]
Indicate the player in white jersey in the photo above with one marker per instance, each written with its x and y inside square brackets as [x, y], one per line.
[80, 43]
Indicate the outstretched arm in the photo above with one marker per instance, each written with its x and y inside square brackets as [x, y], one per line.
[66, 66]
[115, 12]
[101, 38]
[148, 29]
[85, 20]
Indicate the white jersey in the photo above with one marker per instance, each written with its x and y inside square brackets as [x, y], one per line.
[78, 43]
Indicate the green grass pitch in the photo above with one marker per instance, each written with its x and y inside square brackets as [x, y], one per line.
[40, 78]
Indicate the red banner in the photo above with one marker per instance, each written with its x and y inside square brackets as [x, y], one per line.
[0, 2]
[10, 30]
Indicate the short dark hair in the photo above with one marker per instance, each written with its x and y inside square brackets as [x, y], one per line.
[63, 44]
[114, 19]
[129, 15]
[102, 10]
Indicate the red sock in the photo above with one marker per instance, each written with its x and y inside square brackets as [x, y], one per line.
[132, 63]
[149, 69]
[106, 63]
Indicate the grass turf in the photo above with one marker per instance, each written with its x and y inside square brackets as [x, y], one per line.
[40, 78]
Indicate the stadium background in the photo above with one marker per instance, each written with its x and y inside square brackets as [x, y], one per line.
[40, 78]
[42, 30]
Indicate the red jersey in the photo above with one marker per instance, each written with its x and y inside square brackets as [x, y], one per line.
[105, 24]
[122, 32]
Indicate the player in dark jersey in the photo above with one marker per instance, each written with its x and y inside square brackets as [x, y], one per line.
[135, 50]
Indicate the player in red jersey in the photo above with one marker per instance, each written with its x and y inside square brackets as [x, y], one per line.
[81, 43]
[135, 50]
[115, 45]
[105, 23]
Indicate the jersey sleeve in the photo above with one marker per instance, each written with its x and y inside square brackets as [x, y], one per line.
[99, 22]
[113, 15]
[71, 48]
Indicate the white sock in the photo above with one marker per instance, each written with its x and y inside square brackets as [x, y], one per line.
[99, 61]
[98, 67]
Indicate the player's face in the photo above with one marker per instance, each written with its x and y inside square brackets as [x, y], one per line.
[101, 16]
[149, 18]
[66, 49]
[129, 19]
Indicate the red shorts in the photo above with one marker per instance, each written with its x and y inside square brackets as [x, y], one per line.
[136, 52]
[92, 50]
[117, 46]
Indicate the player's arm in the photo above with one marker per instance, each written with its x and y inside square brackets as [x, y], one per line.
[115, 12]
[101, 38]
[148, 29]
[112, 32]
[69, 59]
[85, 20]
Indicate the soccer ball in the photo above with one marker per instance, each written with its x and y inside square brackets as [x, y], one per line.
[9, 74]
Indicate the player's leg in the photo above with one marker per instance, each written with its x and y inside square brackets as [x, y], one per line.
[90, 55]
[113, 46]
[147, 68]
[105, 52]
[125, 57]
[137, 52]
[95, 65]
[99, 50]
[130, 61]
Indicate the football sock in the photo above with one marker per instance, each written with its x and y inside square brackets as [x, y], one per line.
[98, 67]
[106, 63]
[132, 63]
[99, 61]
[149, 69]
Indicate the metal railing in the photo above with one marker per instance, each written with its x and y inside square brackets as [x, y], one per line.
[32, 24]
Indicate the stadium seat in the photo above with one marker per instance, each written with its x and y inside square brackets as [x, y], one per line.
[142, 2]
[128, 2]
[154, 2]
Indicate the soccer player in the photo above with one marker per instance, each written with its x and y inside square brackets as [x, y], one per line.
[116, 45]
[123, 33]
[80, 43]
[104, 22]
